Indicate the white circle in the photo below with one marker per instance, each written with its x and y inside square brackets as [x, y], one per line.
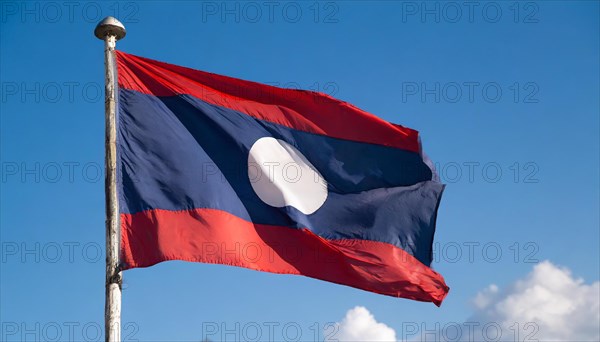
[281, 176]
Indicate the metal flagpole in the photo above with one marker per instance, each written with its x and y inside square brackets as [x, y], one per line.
[110, 30]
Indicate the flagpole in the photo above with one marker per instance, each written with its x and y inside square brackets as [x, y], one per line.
[110, 30]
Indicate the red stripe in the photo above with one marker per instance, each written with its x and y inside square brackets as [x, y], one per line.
[302, 110]
[215, 236]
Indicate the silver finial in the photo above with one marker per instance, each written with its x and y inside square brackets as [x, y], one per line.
[110, 26]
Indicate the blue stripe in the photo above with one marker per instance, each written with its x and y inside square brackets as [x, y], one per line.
[180, 153]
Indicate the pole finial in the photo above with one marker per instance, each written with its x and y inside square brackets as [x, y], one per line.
[110, 26]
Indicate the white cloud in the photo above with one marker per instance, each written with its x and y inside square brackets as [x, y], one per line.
[561, 307]
[360, 325]
[548, 304]
[485, 297]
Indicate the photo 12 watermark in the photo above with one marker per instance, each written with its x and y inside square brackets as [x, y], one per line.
[288, 331]
[27, 12]
[452, 12]
[490, 172]
[491, 252]
[469, 331]
[52, 92]
[526, 92]
[252, 12]
[51, 252]
[52, 172]
[69, 331]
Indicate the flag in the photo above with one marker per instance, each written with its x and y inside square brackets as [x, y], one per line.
[220, 170]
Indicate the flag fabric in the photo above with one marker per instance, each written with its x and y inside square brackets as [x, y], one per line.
[220, 170]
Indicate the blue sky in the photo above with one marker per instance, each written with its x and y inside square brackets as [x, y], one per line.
[505, 95]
